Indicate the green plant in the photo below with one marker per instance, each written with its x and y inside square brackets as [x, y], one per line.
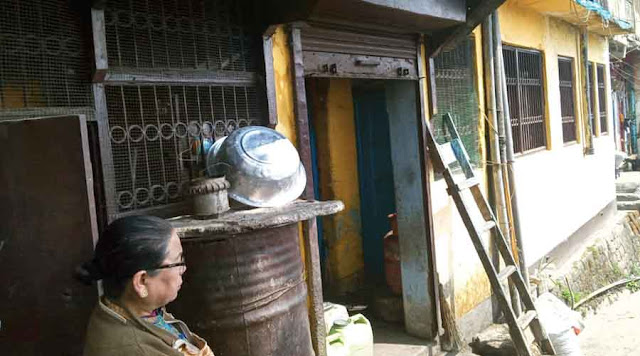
[635, 270]
[616, 269]
[633, 286]
[566, 295]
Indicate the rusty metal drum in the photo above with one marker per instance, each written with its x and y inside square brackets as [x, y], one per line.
[246, 293]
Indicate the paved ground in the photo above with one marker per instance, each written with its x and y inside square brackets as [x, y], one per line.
[613, 331]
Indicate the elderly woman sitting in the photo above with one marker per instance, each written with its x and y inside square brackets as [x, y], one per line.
[139, 260]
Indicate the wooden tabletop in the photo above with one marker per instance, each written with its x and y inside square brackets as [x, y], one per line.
[241, 221]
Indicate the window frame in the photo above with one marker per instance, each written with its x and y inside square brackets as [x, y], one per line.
[519, 147]
[591, 87]
[568, 139]
[602, 99]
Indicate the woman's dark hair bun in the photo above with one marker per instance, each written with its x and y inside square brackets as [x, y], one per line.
[87, 273]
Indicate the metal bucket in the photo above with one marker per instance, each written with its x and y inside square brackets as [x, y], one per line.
[246, 294]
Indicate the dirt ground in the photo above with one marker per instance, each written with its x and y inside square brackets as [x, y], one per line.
[615, 329]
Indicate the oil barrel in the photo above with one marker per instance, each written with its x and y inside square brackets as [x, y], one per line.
[246, 294]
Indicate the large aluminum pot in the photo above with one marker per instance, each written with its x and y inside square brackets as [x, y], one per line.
[262, 165]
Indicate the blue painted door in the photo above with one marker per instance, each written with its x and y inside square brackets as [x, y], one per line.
[377, 199]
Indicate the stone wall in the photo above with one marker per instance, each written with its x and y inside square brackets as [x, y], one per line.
[613, 255]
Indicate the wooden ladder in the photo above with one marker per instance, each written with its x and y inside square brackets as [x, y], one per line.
[443, 156]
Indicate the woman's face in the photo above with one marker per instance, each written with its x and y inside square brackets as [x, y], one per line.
[163, 287]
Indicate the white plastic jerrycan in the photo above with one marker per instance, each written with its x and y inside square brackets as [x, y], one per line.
[356, 333]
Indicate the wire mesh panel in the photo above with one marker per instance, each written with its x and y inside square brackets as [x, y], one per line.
[523, 70]
[456, 93]
[45, 62]
[567, 109]
[591, 98]
[601, 98]
[192, 34]
[156, 132]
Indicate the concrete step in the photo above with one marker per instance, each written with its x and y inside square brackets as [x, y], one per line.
[400, 350]
[392, 340]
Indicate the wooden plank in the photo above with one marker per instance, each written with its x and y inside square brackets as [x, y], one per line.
[467, 184]
[458, 147]
[267, 45]
[447, 154]
[519, 340]
[48, 228]
[527, 318]
[482, 203]
[423, 127]
[309, 227]
[487, 226]
[106, 156]
[475, 15]
[135, 76]
[245, 220]
[99, 43]
[431, 80]
[418, 292]
[506, 273]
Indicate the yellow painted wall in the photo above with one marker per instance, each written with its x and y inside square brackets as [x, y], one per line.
[459, 268]
[458, 265]
[521, 26]
[334, 122]
[283, 77]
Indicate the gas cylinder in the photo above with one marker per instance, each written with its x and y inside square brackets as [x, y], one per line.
[392, 268]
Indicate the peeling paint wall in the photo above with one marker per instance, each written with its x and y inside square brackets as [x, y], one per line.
[334, 123]
[459, 267]
[559, 188]
[283, 77]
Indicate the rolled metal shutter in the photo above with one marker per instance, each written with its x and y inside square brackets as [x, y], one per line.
[330, 51]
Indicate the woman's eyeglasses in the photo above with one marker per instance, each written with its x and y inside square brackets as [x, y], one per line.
[182, 263]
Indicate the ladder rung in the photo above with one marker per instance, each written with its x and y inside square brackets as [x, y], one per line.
[487, 226]
[467, 184]
[446, 151]
[506, 273]
[526, 319]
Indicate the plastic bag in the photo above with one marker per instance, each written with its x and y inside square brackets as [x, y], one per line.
[561, 323]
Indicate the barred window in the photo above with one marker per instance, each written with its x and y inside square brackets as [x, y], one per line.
[523, 70]
[182, 74]
[601, 99]
[456, 93]
[591, 97]
[192, 34]
[565, 73]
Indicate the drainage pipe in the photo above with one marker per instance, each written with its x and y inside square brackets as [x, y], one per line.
[586, 90]
[500, 95]
[510, 167]
[497, 181]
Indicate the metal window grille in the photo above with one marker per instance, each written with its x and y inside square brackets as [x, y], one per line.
[523, 70]
[45, 62]
[565, 71]
[193, 34]
[591, 98]
[156, 129]
[601, 98]
[456, 93]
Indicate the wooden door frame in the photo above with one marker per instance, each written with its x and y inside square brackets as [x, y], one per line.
[310, 232]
